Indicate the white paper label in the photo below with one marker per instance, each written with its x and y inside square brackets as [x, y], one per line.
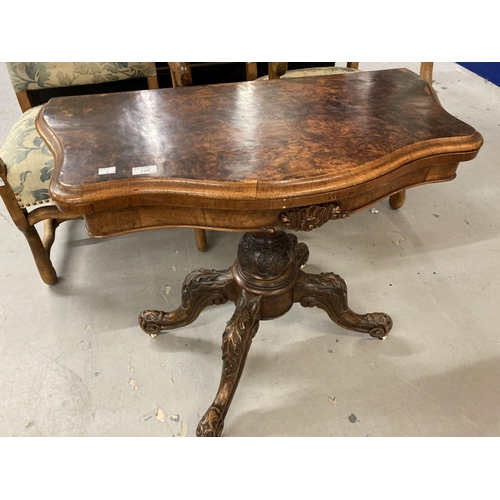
[107, 170]
[2, 183]
[148, 169]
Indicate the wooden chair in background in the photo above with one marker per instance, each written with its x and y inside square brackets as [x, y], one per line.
[26, 164]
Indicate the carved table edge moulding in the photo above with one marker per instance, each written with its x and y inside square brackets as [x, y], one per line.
[366, 135]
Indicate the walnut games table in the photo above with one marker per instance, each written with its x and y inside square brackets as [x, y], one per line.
[256, 157]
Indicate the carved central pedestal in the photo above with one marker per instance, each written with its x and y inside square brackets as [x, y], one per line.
[264, 282]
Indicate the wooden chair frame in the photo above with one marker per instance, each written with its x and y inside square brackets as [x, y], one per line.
[50, 215]
[25, 222]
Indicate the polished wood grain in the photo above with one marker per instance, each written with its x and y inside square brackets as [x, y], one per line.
[397, 200]
[235, 156]
[261, 157]
[277, 70]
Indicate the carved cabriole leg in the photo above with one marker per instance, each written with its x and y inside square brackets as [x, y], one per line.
[264, 282]
[265, 271]
[236, 341]
[329, 292]
[201, 289]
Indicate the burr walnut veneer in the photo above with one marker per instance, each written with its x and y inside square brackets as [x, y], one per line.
[257, 157]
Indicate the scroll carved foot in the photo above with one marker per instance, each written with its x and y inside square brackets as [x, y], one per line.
[264, 282]
[329, 292]
[201, 289]
[236, 341]
[212, 423]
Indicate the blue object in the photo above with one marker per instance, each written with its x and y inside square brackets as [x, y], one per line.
[488, 70]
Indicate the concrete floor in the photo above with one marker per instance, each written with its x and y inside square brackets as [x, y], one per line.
[74, 361]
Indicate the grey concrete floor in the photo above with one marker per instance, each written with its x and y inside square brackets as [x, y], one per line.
[74, 361]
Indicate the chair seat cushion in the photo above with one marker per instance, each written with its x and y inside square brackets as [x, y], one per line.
[29, 162]
[41, 75]
[329, 70]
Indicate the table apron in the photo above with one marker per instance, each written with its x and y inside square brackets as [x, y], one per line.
[138, 217]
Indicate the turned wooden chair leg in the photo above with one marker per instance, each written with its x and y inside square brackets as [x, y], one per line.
[41, 256]
[201, 239]
[25, 222]
[397, 200]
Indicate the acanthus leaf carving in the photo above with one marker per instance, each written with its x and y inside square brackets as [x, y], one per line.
[308, 218]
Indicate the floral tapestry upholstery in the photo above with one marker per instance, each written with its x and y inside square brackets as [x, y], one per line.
[29, 162]
[329, 70]
[40, 75]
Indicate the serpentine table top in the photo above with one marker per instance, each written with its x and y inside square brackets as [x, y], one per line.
[258, 157]
[237, 156]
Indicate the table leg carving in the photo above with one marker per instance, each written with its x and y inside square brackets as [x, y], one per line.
[302, 255]
[328, 291]
[201, 289]
[264, 282]
[236, 341]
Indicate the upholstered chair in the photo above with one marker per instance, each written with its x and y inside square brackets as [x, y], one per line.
[26, 164]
